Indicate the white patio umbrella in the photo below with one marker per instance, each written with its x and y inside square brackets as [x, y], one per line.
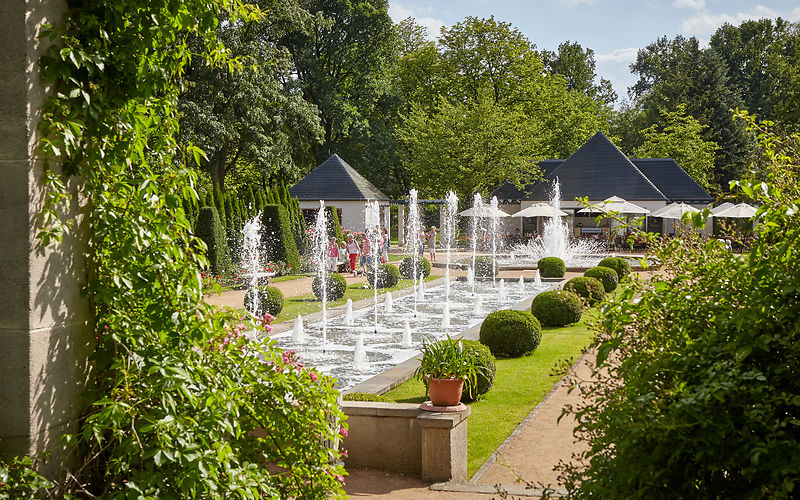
[721, 208]
[615, 204]
[674, 211]
[538, 210]
[739, 211]
[485, 211]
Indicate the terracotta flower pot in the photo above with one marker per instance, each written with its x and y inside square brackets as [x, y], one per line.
[445, 391]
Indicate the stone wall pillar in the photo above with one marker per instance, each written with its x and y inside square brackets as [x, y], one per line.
[44, 323]
[401, 225]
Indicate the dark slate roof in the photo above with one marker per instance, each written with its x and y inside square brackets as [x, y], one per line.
[672, 180]
[598, 170]
[334, 179]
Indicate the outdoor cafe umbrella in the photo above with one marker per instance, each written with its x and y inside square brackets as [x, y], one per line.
[721, 208]
[615, 204]
[739, 211]
[538, 210]
[485, 211]
[674, 211]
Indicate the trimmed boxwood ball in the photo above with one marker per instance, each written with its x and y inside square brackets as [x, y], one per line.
[484, 267]
[407, 267]
[336, 288]
[557, 308]
[511, 333]
[485, 378]
[619, 264]
[551, 267]
[270, 300]
[388, 276]
[587, 287]
[607, 276]
[365, 396]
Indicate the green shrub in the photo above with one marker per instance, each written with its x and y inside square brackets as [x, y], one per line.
[587, 287]
[557, 308]
[365, 396]
[511, 333]
[485, 378]
[388, 276]
[20, 480]
[270, 300]
[336, 288]
[607, 276]
[485, 267]
[551, 267]
[335, 226]
[618, 264]
[210, 230]
[277, 237]
[407, 267]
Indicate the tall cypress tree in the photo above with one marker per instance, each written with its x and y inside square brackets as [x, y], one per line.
[219, 204]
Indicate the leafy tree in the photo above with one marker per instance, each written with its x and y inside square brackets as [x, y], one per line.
[577, 66]
[680, 137]
[467, 147]
[678, 71]
[696, 391]
[247, 116]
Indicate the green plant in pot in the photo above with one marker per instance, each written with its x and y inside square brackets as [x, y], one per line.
[445, 365]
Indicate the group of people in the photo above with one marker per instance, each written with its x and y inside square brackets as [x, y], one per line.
[352, 253]
[428, 238]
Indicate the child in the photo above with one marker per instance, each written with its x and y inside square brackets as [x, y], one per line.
[352, 251]
[432, 243]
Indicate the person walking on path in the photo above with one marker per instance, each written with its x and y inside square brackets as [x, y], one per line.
[385, 245]
[333, 254]
[421, 241]
[432, 243]
[366, 255]
[352, 251]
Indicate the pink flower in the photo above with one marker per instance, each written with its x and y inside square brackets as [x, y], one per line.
[344, 453]
[313, 376]
[339, 478]
[343, 432]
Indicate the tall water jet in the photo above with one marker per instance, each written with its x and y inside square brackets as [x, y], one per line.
[501, 291]
[477, 205]
[421, 289]
[251, 242]
[319, 245]
[494, 231]
[298, 334]
[446, 316]
[449, 228]
[388, 306]
[412, 243]
[360, 361]
[521, 284]
[406, 343]
[555, 240]
[537, 280]
[471, 278]
[374, 236]
[348, 312]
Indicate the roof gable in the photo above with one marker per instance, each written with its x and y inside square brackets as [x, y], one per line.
[334, 179]
[672, 180]
[598, 170]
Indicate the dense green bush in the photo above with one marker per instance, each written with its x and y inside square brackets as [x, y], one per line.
[365, 396]
[587, 287]
[19, 480]
[388, 276]
[551, 267]
[210, 230]
[335, 225]
[485, 378]
[407, 267]
[270, 300]
[485, 267]
[277, 236]
[337, 286]
[607, 276]
[511, 333]
[557, 308]
[618, 264]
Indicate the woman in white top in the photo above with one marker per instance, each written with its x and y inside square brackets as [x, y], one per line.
[352, 252]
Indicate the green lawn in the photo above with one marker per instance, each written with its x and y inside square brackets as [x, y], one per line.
[520, 384]
[307, 304]
[289, 277]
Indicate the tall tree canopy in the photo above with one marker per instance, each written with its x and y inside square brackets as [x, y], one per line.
[577, 66]
[678, 71]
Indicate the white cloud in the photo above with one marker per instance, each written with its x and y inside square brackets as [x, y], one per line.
[706, 24]
[627, 55]
[689, 4]
[398, 12]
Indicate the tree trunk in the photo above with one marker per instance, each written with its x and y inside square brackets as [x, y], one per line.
[218, 168]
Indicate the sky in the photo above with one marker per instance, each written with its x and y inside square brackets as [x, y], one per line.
[614, 29]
